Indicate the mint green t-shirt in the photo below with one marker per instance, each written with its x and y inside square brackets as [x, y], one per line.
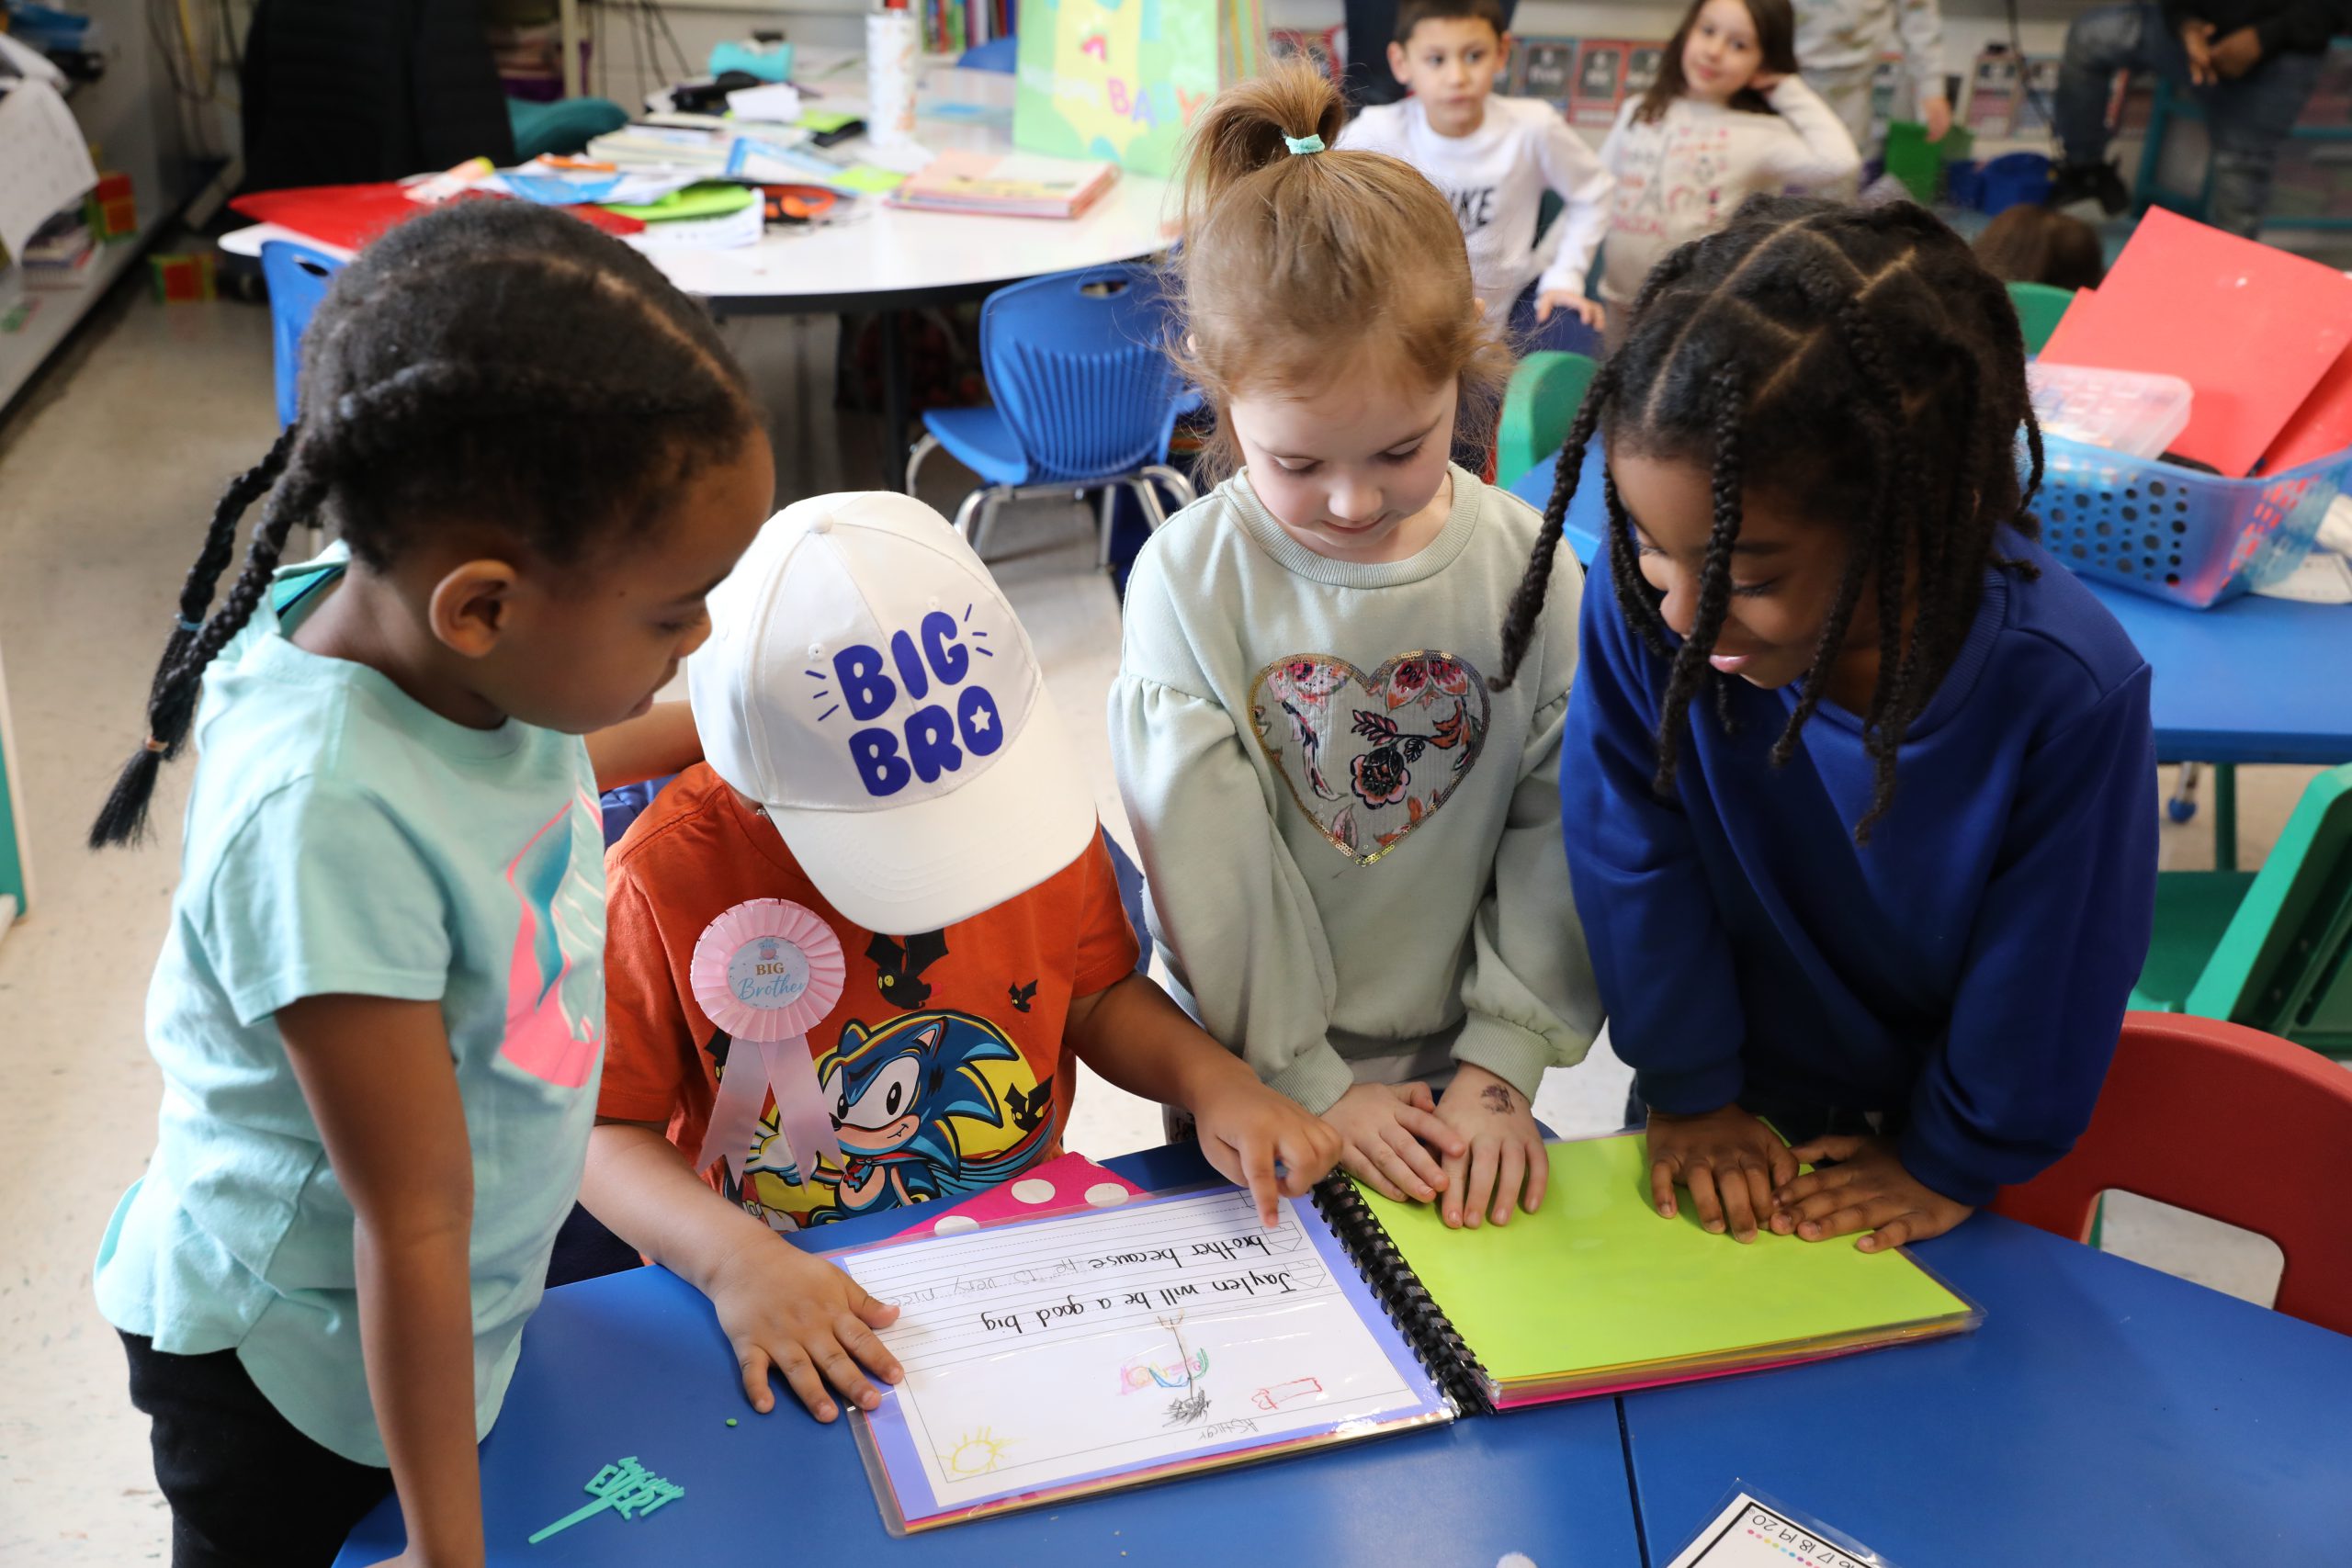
[342, 839]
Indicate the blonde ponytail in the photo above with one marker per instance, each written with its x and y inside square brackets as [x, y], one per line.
[1297, 264]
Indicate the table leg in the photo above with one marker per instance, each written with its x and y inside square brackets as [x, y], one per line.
[895, 398]
[2226, 816]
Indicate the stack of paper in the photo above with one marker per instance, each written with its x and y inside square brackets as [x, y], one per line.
[1015, 185]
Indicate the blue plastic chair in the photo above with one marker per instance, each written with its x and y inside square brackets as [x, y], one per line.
[298, 278]
[997, 54]
[1086, 398]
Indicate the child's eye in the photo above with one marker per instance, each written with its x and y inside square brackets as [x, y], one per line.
[1406, 455]
[1290, 468]
[1754, 589]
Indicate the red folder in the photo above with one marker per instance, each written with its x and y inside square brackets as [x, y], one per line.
[2253, 329]
[350, 216]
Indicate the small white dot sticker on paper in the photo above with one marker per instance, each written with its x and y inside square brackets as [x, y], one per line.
[1106, 1195]
[1036, 1189]
[954, 1224]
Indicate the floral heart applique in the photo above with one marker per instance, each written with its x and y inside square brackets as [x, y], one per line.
[1370, 757]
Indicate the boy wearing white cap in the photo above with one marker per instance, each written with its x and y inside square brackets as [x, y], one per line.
[852, 959]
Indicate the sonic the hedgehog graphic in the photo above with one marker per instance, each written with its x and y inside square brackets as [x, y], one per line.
[898, 1093]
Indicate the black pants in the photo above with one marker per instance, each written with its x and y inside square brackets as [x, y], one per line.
[246, 1489]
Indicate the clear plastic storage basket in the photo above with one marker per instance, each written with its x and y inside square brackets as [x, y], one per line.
[2192, 537]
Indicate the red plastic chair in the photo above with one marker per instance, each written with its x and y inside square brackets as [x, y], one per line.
[2225, 1122]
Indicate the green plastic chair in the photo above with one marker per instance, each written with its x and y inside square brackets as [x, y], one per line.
[2039, 307]
[2271, 949]
[1545, 392]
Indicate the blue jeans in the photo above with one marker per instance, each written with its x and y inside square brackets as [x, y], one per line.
[2248, 118]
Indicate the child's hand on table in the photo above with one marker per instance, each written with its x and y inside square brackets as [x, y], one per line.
[1729, 1160]
[1504, 1162]
[1245, 1127]
[800, 1315]
[1867, 1190]
[1387, 1133]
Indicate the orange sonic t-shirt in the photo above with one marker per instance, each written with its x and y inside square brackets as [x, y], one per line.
[942, 1062]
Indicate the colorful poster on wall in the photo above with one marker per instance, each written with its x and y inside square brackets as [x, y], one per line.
[1122, 80]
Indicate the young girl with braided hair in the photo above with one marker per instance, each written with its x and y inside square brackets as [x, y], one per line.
[1821, 580]
[1352, 843]
[380, 1006]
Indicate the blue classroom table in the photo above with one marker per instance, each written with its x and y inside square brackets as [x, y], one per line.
[2104, 1413]
[635, 1364]
[2251, 680]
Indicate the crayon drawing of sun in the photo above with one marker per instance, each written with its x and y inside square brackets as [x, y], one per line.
[975, 1453]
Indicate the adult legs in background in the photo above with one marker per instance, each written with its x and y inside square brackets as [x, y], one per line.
[2248, 119]
[244, 1486]
[1847, 91]
[2099, 44]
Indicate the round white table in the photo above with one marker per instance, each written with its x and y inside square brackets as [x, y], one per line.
[877, 259]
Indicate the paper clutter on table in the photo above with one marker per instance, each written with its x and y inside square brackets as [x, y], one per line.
[1011, 184]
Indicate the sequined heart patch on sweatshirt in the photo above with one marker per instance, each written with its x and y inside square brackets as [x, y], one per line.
[1370, 757]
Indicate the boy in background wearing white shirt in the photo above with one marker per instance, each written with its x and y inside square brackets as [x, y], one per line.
[1494, 157]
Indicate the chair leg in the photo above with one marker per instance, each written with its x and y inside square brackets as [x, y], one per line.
[1178, 485]
[991, 498]
[1155, 515]
[924, 448]
[1106, 506]
[968, 511]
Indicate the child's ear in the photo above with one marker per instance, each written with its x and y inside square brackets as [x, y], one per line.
[1396, 60]
[468, 607]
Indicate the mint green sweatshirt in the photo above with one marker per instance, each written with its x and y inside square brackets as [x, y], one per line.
[1352, 846]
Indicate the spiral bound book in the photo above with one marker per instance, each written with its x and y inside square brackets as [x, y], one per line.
[1595, 1294]
[1056, 1358]
[1052, 1359]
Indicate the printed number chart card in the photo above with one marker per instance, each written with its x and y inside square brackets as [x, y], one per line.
[1104, 1349]
[1749, 1533]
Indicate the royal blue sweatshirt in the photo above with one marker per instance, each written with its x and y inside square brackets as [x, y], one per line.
[1967, 969]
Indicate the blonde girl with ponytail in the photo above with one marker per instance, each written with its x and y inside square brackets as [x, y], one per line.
[1353, 840]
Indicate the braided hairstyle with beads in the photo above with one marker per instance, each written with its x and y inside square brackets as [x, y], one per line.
[491, 363]
[1858, 364]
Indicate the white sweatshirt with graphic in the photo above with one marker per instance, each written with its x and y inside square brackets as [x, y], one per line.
[1351, 844]
[1684, 173]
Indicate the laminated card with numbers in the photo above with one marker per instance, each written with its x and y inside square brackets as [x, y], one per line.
[1050, 1359]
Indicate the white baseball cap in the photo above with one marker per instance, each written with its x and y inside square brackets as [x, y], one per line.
[867, 684]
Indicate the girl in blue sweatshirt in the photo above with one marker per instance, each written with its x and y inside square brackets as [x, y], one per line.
[1859, 789]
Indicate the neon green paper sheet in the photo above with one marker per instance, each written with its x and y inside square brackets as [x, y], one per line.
[1596, 1290]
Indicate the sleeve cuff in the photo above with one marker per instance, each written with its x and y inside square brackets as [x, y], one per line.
[1516, 1056]
[1691, 1093]
[1315, 1078]
[1937, 1171]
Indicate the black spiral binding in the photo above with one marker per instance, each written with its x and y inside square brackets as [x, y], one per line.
[1410, 1306]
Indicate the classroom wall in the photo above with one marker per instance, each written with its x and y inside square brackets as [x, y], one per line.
[628, 70]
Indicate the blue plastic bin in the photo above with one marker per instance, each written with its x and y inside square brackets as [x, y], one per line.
[2013, 179]
[1964, 183]
[2197, 539]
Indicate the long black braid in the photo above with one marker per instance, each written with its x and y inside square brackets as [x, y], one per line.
[491, 363]
[1767, 352]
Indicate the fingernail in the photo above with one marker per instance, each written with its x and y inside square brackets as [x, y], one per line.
[824, 1413]
[1666, 1211]
[1453, 1217]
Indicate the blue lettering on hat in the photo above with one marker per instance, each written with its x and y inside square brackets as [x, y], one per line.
[902, 649]
[879, 766]
[930, 743]
[977, 716]
[947, 656]
[869, 692]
